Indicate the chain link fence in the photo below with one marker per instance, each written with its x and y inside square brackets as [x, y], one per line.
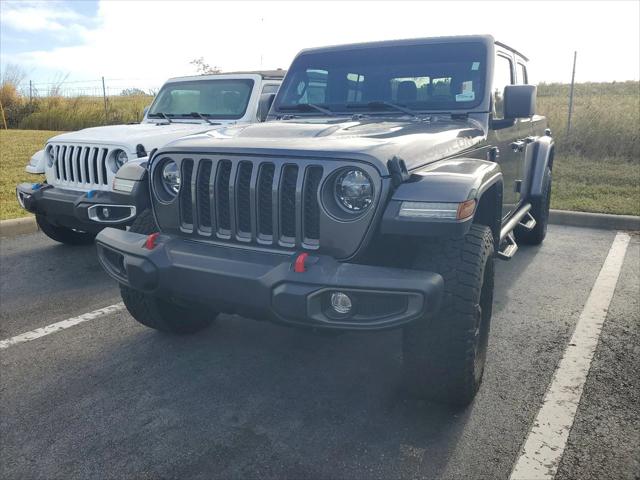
[72, 105]
[605, 120]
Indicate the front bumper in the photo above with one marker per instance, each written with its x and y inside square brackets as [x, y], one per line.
[82, 210]
[262, 284]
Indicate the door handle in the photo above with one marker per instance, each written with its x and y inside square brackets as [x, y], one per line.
[518, 146]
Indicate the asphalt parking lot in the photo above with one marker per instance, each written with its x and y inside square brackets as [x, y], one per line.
[108, 398]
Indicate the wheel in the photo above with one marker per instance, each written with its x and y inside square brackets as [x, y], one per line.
[145, 223]
[158, 313]
[444, 354]
[165, 315]
[540, 212]
[63, 234]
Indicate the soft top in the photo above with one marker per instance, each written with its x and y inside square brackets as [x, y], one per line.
[265, 74]
[486, 39]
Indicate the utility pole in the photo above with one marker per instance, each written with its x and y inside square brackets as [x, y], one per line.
[104, 96]
[573, 79]
[30, 92]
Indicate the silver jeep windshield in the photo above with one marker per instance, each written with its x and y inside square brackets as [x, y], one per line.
[426, 77]
[223, 99]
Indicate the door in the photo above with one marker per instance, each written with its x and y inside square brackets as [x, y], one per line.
[505, 134]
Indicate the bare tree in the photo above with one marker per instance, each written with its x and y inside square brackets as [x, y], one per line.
[204, 68]
[12, 74]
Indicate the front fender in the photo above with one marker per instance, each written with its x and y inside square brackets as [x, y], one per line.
[36, 163]
[543, 149]
[451, 181]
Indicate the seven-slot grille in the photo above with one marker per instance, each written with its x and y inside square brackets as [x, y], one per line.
[254, 201]
[80, 165]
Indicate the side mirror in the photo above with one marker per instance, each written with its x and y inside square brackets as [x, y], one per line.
[146, 109]
[519, 101]
[264, 104]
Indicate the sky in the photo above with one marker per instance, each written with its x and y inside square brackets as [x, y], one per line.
[142, 43]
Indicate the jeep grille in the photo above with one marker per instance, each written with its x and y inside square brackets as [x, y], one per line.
[253, 201]
[80, 166]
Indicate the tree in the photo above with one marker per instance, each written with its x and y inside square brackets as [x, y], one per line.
[129, 92]
[204, 68]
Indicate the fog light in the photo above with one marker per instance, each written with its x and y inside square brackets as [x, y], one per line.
[105, 212]
[341, 302]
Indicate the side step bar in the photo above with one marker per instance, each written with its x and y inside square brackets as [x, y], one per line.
[523, 218]
[509, 249]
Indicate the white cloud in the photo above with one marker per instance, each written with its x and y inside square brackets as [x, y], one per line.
[151, 41]
[38, 16]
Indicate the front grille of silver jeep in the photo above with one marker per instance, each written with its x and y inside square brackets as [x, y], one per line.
[272, 203]
[80, 166]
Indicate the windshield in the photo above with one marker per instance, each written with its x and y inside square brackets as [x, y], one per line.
[430, 77]
[224, 99]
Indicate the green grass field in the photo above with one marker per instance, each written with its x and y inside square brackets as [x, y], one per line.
[607, 185]
[16, 148]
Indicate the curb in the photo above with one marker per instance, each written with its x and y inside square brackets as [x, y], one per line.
[594, 220]
[18, 226]
[26, 225]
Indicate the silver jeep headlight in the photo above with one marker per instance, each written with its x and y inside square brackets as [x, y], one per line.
[170, 177]
[119, 159]
[354, 190]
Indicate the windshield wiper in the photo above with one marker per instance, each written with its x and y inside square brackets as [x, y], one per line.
[161, 115]
[203, 117]
[379, 104]
[306, 107]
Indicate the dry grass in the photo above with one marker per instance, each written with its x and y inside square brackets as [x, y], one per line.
[60, 113]
[606, 119]
[602, 185]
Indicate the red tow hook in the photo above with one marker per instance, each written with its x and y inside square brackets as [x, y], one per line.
[298, 265]
[150, 244]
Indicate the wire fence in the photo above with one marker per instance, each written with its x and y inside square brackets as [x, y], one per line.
[102, 87]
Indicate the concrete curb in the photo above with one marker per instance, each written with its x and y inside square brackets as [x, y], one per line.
[18, 226]
[26, 225]
[594, 220]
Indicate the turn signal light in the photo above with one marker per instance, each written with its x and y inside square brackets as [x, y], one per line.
[466, 209]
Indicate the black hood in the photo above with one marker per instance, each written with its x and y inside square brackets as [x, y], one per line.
[375, 140]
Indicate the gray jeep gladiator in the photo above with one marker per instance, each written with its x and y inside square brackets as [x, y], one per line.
[386, 180]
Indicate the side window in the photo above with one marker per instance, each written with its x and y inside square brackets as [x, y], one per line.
[502, 76]
[523, 78]
[270, 88]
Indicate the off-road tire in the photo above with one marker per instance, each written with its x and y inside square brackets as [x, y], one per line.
[158, 313]
[144, 223]
[444, 354]
[63, 234]
[540, 212]
[165, 315]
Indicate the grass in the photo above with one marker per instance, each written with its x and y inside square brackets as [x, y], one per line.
[16, 148]
[606, 185]
[59, 113]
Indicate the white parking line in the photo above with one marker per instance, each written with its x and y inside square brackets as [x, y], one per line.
[545, 444]
[56, 327]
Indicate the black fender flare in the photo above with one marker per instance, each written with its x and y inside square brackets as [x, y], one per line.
[542, 151]
[453, 180]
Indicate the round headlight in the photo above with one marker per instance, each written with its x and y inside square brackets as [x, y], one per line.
[119, 159]
[171, 177]
[50, 156]
[354, 190]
